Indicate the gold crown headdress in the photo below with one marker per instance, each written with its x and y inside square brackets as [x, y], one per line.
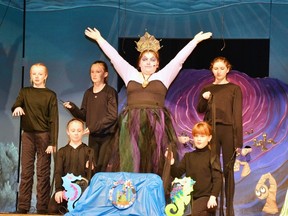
[148, 42]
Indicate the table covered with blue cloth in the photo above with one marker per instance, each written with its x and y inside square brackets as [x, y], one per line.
[122, 193]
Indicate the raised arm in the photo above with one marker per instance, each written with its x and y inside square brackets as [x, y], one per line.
[171, 70]
[122, 67]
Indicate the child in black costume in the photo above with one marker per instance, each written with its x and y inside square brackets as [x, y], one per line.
[76, 158]
[99, 110]
[37, 106]
[221, 102]
[203, 168]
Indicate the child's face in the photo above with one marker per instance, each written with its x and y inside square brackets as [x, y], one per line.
[75, 131]
[97, 73]
[201, 140]
[220, 70]
[38, 75]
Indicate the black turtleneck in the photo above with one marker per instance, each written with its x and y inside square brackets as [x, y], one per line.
[197, 165]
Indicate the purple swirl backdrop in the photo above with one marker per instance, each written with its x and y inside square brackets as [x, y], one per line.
[265, 105]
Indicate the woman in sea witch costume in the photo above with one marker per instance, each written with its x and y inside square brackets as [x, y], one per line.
[145, 125]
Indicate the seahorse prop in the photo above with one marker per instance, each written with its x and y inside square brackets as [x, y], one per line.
[180, 196]
[73, 190]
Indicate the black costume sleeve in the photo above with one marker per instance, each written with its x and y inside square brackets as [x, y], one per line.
[217, 178]
[202, 102]
[19, 101]
[76, 112]
[53, 120]
[178, 171]
[59, 171]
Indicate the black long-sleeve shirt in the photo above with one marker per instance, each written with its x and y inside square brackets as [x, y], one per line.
[71, 160]
[98, 110]
[41, 111]
[228, 104]
[197, 165]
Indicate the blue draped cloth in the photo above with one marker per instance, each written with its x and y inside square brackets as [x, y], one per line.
[146, 195]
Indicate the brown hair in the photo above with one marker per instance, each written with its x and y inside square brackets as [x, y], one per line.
[105, 67]
[223, 59]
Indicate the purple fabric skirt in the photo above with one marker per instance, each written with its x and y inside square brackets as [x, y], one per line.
[144, 136]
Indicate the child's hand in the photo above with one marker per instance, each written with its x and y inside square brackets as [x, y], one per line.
[59, 196]
[18, 111]
[211, 202]
[172, 160]
[206, 95]
[67, 105]
[87, 165]
[50, 149]
[86, 131]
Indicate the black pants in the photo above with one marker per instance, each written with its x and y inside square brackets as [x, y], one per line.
[103, 149]
[34, 144]
[199, 207]
[225, 144]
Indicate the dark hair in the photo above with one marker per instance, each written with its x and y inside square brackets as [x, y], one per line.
[105, 68]
[223, 59]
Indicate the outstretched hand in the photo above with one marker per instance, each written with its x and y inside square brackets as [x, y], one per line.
[92, 33]
[202, 36]
[67, 105]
